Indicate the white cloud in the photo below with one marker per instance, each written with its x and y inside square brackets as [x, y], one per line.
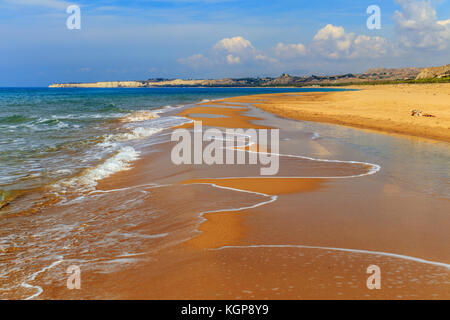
[333, 42]
[232, 59]
[264, 58]
[444, 22]
[233, 51]
[418, 26]
[234, 45]
[290, 51]
[229, 51]
[373, 47]
[329, 32]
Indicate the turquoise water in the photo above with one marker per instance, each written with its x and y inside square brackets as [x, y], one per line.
[48, 134]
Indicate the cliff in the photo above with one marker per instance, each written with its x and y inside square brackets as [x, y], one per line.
[434, 72]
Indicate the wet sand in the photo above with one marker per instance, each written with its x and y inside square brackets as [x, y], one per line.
[219, 232]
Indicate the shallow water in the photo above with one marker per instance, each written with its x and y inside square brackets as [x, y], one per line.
[416, 164]
[51, 134]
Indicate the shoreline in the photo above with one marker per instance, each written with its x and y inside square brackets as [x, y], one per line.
[249, 241]
[220, 232]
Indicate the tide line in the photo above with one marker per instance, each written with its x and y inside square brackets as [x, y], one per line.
[33, 277]
[375, 253]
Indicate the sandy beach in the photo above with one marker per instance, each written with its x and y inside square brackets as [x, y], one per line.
[384, 108]
[310, 232]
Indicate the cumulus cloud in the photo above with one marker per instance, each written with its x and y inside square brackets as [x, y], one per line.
[418, 26]
[233, 50]
[229, 51]
[416, 23]
[235, 45]
[330, 32]
[333, 42]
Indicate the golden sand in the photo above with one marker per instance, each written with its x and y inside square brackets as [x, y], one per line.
[269, 186]
[234, 118]
[385, 108]
[225, 228]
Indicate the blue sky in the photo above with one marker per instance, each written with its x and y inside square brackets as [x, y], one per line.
[141, 39]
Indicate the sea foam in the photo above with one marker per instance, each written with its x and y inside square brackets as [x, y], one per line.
[141, 115]
[88, 179]
[136, 133]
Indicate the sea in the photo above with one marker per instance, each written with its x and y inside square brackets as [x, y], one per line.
[51, 134]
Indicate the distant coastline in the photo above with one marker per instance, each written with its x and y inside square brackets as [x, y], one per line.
[370, 77]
